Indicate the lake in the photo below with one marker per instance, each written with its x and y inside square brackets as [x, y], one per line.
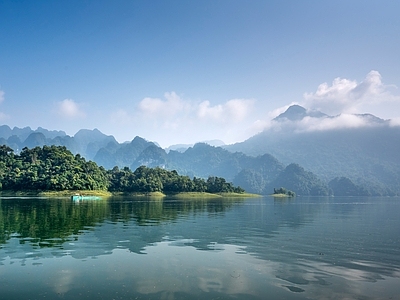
[255, 248]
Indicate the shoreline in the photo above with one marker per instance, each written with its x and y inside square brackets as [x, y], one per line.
[106, 194]
[281, 196]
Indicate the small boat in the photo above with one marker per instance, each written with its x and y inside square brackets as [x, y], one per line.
[78, 197]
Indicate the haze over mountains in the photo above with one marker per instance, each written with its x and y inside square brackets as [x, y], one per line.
[306, 151]
[362, 147]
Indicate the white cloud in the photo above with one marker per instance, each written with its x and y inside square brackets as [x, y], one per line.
[173, 119]
[238, 109]
[309, 123]
[68, 108]
[348, 96]
[342, 99]
[205, 110]
[156, 108]
[268, 123]
[394, 122]
[232, 111]
[341, 121]
[1, 96]
[258, 126]
[173, 110]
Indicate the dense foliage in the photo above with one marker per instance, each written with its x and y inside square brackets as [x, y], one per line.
[367, 157]
[50, 168]
[145, 179]
[343, 186]
[54, 168]
[302, 182]
[283, 191]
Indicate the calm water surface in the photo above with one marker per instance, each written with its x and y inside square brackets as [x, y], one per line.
[257, 248]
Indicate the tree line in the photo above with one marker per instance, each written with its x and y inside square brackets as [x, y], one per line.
[283, 191]
[55, 168]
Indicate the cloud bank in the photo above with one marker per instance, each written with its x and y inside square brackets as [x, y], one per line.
[173, 119]
[182, 120]
[339, 122]
[158, 108]
[349, 96]
[344, 101]
[232, 111]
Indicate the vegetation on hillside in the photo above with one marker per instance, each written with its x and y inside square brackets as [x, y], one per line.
[302, 182]
[343, 186]
[351, 162]
[368, 156]
[54, 168]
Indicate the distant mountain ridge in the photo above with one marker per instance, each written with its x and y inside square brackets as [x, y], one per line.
[200, 160]
[368, 155]
[85, 142]
[348, 161]
[297, 112]
[16, 137]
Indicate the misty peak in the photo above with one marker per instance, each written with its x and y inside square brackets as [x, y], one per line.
[297, 113]
[371, 118]
[293, 113]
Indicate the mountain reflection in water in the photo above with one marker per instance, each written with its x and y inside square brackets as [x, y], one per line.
[127, 248]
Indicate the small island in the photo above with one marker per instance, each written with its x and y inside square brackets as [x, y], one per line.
[55, 171]
[282, 192]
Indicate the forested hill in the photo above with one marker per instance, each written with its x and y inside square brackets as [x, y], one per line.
[55, 168]
[353, 162]
[357, 157]
[369, 157]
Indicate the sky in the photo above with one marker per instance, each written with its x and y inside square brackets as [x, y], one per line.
[180, 72]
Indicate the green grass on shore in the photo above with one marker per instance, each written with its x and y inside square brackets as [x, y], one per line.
[100, 193]
[50, 194]
[281, 196]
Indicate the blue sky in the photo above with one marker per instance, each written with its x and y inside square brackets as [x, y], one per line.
[187, 71]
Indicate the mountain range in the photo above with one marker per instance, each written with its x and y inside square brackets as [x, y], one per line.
[366, 151]
[308, 152]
